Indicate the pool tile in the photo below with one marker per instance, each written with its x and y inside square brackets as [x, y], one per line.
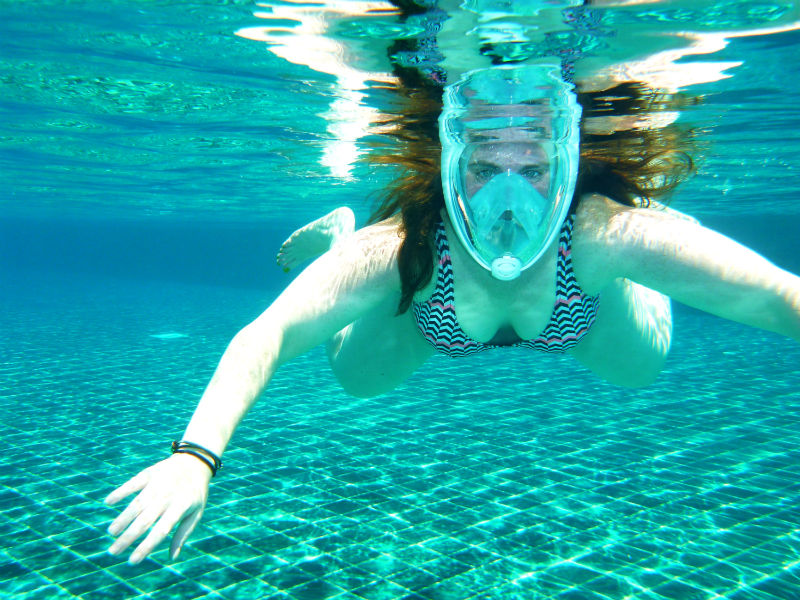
[468, 490]
[115, 591]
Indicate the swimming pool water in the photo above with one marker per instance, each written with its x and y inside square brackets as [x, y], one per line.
[151, 163]
[515, 476]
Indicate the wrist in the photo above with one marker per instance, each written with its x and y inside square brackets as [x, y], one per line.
[189, 465]
[200, 453]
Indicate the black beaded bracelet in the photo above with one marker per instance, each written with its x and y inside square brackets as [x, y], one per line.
[211, 460]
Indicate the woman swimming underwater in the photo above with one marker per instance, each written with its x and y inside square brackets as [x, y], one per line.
[515, 247]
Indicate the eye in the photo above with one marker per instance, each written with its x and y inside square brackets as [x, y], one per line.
[484, 173]
[532, 173]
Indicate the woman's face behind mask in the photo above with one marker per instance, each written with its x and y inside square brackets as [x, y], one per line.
[505, 200]
[506, 187]
[526, 159]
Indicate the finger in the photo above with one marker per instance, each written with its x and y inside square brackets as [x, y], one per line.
[133, 485]
[157, 534]
[185, 529]
[142, 523]
[127, 516]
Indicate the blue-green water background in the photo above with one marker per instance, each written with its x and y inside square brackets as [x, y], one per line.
[151, 164]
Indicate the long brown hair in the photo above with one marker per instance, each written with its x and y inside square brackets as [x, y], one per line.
[631, 166]
[416, 193]
[633, 162]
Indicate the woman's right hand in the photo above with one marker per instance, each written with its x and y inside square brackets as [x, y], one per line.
[171, 492]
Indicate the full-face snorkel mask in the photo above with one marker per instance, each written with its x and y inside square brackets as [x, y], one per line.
[510, 155]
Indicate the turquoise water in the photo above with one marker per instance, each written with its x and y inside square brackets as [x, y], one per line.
[496, 477]
[152, 163]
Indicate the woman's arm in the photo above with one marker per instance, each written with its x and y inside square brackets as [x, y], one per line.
[335, 290]
[701, 268]
[332, 292]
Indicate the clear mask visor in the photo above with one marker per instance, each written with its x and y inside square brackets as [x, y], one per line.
[509, 170]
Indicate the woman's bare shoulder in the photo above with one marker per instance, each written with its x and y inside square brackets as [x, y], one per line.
[604, 230]
[357, 275]
[379, 241]
[597, 221]
[369, 256]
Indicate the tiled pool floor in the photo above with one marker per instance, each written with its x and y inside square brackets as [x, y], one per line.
[509, 475]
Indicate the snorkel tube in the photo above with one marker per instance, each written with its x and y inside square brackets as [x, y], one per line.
[493, 120]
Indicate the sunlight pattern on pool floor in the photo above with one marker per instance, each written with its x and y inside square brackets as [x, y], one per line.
[508, 475]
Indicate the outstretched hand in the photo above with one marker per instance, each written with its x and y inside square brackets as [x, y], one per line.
[171, 492]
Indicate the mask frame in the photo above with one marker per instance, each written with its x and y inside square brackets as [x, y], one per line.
[531, 101]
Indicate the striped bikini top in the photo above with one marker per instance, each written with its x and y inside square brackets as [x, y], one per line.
[573, 313]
